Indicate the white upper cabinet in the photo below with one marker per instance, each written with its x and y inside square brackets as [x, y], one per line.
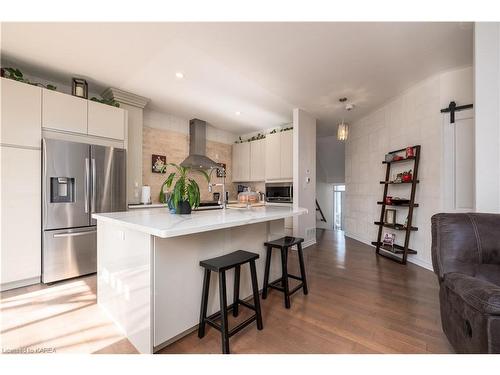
[106, 121]
[273, 156]
[241, 162]
[258, 160]
[286, 155]
[21, 112]
[64, 112]
[279, 156]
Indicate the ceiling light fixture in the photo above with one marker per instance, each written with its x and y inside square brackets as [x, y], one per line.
[342, 131]
[179, 75]
[238, 113]
[343, 128]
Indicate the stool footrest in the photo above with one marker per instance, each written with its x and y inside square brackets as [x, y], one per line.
[210, 322]
[277, 287]
[246, 304]
[242, 325]
[295, 277]
[298, 287]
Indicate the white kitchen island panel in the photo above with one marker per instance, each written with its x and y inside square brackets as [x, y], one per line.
[178, 277]
[125, 281]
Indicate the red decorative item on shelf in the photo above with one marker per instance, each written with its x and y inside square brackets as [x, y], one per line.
[407, 176]
[388, 200]
[397, 157]
[409, 152]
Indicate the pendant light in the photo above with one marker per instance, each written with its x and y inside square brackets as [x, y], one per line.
[343, 128]
[342, 131]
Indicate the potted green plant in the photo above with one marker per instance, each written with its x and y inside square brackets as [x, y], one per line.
[185, 193]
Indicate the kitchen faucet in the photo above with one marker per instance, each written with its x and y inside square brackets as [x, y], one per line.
[223, 185]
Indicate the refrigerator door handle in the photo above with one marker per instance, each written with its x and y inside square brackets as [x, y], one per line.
[86, 188]
[93, 185]
[73, 234]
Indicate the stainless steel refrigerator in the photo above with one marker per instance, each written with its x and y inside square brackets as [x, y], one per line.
[78, 179]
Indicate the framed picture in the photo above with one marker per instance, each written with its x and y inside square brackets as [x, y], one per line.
[389, 239]
[390, 217]
[221, 172]
[157, 163]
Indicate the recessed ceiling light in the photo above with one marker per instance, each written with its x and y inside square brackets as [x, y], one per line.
[238, 113]
[179, 75]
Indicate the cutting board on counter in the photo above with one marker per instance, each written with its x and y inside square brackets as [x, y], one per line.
[244, 206]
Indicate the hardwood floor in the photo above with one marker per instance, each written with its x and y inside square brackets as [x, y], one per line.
[357, 303]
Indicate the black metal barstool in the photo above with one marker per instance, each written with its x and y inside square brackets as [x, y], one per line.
[284, 244]
[221, 265]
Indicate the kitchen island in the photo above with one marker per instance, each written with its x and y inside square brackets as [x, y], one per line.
[148, 275]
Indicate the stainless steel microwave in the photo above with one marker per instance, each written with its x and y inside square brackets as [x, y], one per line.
[279, 192]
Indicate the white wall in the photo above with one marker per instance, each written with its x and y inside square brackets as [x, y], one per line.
[304, 174]
[487, 111]
[409, 119]
[330, 160]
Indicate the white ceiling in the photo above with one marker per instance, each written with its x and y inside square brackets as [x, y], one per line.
[262, 70]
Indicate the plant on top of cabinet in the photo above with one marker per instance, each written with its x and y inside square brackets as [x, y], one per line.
[17, 75]
[110, 102]
[186, 192]
[253, 138]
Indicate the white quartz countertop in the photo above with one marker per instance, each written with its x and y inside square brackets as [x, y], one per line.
[161, 223]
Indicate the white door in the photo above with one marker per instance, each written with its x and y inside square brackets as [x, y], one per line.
[458, 162]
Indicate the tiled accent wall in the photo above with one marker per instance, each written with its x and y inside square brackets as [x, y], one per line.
[411, 118]
[175, 146]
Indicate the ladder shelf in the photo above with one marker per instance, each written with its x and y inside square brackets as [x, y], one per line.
[398, 253]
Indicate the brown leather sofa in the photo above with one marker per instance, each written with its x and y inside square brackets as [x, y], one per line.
[466, 259]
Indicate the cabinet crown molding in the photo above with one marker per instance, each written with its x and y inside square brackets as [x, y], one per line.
[125, 97]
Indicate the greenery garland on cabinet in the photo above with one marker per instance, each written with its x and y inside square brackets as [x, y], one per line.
[262, 136]
[17, 75]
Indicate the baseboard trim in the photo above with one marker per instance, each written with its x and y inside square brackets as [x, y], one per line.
[19, 283]
[308, 243]
[411, 259]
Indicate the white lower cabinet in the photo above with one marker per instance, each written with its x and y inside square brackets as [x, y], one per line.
[20, 211]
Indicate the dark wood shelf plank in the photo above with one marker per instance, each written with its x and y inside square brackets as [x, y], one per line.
[400, 205]
[395, 226]
[401, 150]
[398, 249]
[399, 161]
[398, 183]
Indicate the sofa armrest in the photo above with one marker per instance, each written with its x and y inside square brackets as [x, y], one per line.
[454, 243]
[482, 295]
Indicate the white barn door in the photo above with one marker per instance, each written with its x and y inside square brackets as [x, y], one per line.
[458, 162]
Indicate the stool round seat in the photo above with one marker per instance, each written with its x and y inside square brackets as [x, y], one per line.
[220, 265]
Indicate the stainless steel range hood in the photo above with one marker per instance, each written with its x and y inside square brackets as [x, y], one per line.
[197, 147]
